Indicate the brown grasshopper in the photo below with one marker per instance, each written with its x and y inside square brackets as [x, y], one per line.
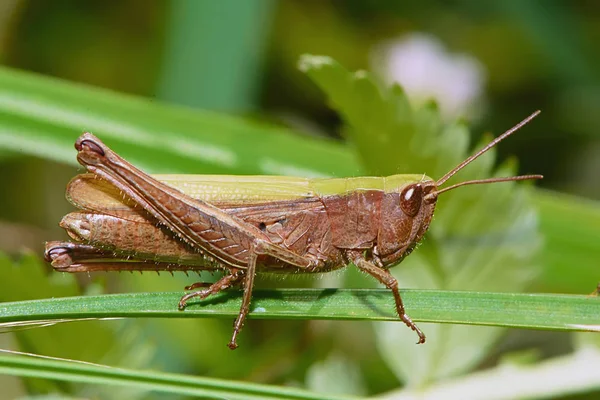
[244, 225]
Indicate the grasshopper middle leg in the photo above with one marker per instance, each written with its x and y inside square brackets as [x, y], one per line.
[246, 277]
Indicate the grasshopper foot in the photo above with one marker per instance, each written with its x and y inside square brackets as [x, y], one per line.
[409, 322]
[202, 294]
[232, 344]
[182, 304]
[237, 327]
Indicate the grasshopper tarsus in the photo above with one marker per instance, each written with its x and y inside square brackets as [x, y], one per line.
[408, 321]
[238, 324]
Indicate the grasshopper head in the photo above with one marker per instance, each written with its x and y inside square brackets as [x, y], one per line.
[417, 201]
[407, 213]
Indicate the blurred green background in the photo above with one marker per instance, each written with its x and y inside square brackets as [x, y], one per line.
[233, 66]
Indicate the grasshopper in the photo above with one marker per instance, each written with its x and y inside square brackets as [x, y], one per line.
[129, 220]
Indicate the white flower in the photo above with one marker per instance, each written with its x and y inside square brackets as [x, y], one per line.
[423, 67]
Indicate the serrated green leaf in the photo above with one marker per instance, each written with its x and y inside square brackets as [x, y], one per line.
[372, 115]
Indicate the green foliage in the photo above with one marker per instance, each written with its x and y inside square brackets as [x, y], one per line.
[571, 226]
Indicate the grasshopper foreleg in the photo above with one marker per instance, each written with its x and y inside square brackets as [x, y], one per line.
[386, 278]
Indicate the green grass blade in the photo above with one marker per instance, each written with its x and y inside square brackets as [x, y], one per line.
[234, 34]
[67, 370]
[572, 232]
[537, 311]
[43, 117]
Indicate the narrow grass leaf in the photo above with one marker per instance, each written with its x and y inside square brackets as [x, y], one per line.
[517, 310]
[66, 370]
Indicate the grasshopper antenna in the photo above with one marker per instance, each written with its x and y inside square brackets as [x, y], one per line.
[472, 158]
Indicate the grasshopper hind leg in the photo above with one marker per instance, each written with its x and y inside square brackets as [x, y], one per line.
[386, 278]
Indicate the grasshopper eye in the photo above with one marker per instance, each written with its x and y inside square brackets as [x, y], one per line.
[410, 199]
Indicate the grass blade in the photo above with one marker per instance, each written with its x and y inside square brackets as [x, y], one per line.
[66, 370]
[536, 311]
[42, 117]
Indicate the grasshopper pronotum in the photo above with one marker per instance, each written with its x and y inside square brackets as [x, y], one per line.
[245, 224]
